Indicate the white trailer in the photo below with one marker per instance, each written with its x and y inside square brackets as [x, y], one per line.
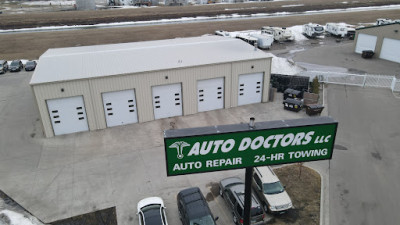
[337, 29]
[280, 33]
[264, 41]
[382, 21]
[313, 30]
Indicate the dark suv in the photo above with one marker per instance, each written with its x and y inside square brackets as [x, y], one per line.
[193, 208]
[16, 65]
[3, 66]
[232, 190]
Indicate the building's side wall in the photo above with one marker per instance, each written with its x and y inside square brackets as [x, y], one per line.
[381, 32]
[92, 89]
[45, 92]
[246, 67]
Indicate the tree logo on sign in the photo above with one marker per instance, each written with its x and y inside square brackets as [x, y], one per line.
[179, 145]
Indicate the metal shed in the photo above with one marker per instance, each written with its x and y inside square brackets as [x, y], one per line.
[383, 40]
[94, 87]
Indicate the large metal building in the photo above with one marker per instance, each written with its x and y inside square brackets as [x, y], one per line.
[94, 87]
[384, 40]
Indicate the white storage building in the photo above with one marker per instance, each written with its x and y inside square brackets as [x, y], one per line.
[384, 40]
[94, 87]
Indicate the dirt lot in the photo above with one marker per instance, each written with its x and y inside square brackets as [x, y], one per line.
[21, 20]
[304, 187]
[32, 45]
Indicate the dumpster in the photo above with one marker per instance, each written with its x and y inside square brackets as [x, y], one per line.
[291, 93]
[314, 109]
[367, 54]
[292, 104]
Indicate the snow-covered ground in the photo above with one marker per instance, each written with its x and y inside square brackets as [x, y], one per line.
[46, 3]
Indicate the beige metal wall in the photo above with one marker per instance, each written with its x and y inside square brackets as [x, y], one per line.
[385, 31]
[48, 91]
[92, 89]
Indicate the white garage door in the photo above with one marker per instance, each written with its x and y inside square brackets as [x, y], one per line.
[167, 101]
[365, 42]
[390, 50]
[67, 115]
[250, 88]
[120, 107]
[210, 94]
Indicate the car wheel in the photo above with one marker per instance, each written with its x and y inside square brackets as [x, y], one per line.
[235, 220]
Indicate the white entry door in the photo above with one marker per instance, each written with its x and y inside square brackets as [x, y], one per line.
[67, 115]
[365, 42]
[390, 50]
[120, 107]
[250, 88]
[210, 94]
[167, 100]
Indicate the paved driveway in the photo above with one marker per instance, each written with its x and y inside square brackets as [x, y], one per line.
[364, 174]
[56, 178]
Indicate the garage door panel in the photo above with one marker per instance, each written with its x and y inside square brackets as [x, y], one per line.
[120, 107]
[250, 88]
[167, 100]
[67, 115]
[210, 94]
[365, 42]
[390, 50]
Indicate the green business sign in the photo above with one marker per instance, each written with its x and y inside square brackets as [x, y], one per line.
[207, 149]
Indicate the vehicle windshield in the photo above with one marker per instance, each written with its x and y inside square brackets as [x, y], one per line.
[152, 214]
[318, 28]
[14, 63]
[30, 63]
[273, 188]
[205, 220]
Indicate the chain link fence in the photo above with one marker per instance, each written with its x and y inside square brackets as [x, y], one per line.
[367, 80]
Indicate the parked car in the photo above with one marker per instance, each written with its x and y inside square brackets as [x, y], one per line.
[151, 211]
[16, 65]
[3, 66]
[30, 65]
[232, 190]
[270, 191]
[193, 208]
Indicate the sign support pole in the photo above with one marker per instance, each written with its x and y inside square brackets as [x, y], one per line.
[247, 195]
[247, 186]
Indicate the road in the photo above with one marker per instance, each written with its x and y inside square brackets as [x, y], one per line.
[364, 179]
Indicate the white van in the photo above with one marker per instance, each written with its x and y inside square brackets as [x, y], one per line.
[270, 191]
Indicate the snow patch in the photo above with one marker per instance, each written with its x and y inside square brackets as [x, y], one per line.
[17, 218]
[46, 3]
[284, 6]
[284, 66]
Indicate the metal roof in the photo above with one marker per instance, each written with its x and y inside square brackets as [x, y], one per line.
[64, 64]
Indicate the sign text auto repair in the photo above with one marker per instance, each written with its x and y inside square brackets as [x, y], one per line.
[239, 149]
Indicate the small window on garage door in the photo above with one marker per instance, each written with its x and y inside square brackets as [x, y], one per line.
[210, 94]
[120, 107]
[67, 115]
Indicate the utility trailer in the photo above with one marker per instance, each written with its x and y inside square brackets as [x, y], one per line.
[280, 33]
[264, 41]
